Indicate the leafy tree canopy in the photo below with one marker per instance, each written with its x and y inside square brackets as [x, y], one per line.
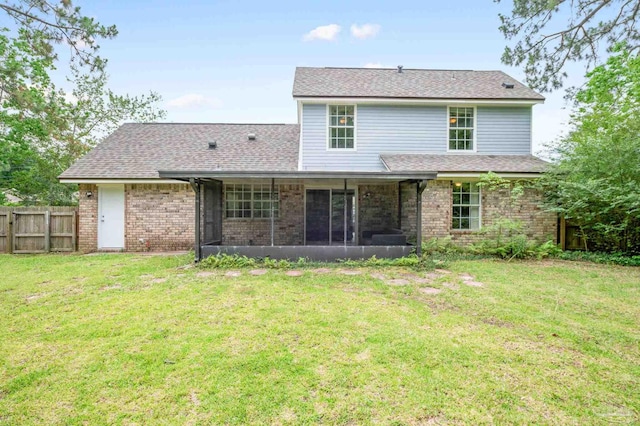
[44, 129]
[597, 179]
[548, 34]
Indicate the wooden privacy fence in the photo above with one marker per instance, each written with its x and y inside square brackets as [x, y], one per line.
[38, 229]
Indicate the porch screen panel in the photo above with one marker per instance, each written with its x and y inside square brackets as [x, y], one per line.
[212, 212]
[318, 216]
[337, 216]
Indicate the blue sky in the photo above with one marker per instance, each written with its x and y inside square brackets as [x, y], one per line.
[234, 61]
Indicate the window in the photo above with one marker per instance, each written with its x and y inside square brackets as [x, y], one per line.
[342, 127]
[250, 201]
[461, 128]
[466, 205]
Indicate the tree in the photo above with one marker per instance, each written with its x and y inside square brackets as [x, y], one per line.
[544, 41]
[596, 181]
[42, 131]
[47, 24]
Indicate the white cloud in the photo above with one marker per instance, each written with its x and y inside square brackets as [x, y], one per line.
[373, 65]
[324, 32]
[365, 31]
[70, 98]
[80, 44]
[194, 101]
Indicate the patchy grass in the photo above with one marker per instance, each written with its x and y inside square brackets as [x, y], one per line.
[135, 339]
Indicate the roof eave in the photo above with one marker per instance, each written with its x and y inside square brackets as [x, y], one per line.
[409, 100]
[185, 175]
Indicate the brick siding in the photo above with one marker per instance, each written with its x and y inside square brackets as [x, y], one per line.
[162, 215]
[288, 226]
[159, 217]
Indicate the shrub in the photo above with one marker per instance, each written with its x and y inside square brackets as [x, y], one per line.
[596, 257]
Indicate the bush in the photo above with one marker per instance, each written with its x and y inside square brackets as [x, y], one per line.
[596, 257]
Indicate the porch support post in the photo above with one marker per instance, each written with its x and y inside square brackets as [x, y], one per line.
[399, 205]
[273, 185]
[345, 213]
[420, 187]
[195, 184]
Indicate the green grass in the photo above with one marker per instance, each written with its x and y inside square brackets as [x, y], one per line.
[124, 339]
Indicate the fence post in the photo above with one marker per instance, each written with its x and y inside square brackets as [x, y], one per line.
[47, 231]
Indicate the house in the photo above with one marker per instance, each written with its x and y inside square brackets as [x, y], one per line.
[380, 159]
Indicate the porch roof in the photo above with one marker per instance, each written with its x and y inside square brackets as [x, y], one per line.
[447, 163]
[186, 175]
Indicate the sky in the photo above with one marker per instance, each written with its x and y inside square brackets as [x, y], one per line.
[234, 61]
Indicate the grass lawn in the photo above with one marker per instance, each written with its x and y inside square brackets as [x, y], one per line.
[126, 339]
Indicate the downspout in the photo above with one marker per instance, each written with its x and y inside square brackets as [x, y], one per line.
[195, 184]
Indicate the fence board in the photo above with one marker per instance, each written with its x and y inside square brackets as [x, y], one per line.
[5, 233]
[38, 229]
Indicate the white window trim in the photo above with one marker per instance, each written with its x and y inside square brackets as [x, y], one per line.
[475, 129]
[467, 205]
[355, 128]
[252, 201]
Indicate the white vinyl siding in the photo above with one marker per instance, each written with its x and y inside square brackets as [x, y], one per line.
[408, 129]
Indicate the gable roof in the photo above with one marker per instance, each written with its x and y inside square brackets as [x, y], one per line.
[138, 151]
[444, 163]
[409, 84]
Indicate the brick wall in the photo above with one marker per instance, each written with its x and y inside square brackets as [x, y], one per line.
[159, 217]
[288, 226]
[163, 215]
[496, 204]
[378, 207]
[87, 218]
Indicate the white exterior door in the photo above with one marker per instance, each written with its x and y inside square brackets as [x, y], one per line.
[111, 216]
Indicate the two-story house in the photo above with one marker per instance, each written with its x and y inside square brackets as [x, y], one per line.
[380, 160]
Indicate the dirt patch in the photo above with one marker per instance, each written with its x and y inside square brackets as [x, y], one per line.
[293, 273]
[233, 274]
[398, 281]
[321, 270]
[33, 297]
[158, 280]
[442, 271]
[111, 287]
[258, 272]
[378, 276]
[350, 272]
[205, 274]
[451, 286]
[430, 290]
[470, 281]
[497, 322]
[363, 356]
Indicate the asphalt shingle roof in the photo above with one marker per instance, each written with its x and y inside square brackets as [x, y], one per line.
[410, 84]
[463, 163]
[138, 151]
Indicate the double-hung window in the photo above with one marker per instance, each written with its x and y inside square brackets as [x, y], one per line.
[342, 126]
[250, 201]
[466, 205]
[461, 128]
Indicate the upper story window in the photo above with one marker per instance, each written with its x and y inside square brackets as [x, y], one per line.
[461, 128]
[342, 126]
[250, 201]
